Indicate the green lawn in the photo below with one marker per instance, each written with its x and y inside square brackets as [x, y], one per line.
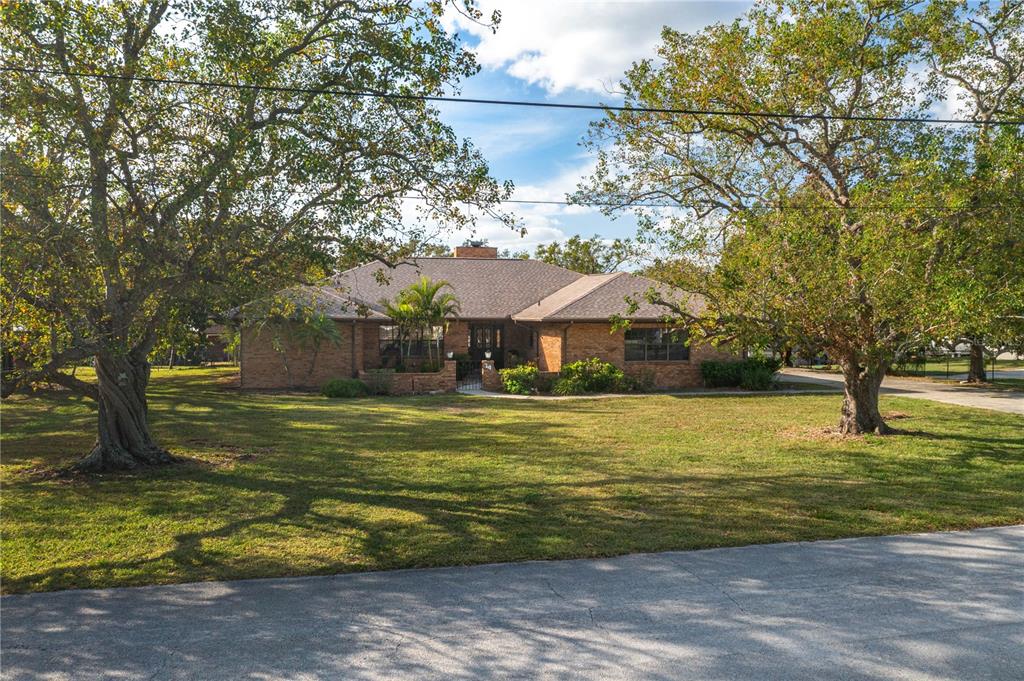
[297, 484]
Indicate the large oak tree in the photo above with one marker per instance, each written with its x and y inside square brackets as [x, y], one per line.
[821, 231]
[124, 195]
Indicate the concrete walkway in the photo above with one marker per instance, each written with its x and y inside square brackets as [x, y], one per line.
[967, 396]
[693, 392]
[928, 607]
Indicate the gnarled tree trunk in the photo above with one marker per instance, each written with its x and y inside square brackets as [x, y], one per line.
[860, 399]
[124, 438]
[976, 366]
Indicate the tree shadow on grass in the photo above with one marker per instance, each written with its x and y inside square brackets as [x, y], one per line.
[351, 475]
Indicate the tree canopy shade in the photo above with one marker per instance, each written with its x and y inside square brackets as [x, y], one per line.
[123, 197]
[819, 233]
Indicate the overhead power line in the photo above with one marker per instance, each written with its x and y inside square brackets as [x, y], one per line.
[510, 102]
[599, 204]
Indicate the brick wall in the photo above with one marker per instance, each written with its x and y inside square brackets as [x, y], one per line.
[413, 383]
[456, 338]
[489, 377]
[517, 337]
[549, 346]
[595, 340]
[264, 367]
[371, 345]
[489, 252]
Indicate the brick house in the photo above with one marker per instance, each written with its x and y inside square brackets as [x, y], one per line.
[511, 311]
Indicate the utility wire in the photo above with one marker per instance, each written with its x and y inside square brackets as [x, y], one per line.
[597, 204]
[510, 102]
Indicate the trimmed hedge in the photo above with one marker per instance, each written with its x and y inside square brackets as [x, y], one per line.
[345, 387]
[756, 373]
[592, 376]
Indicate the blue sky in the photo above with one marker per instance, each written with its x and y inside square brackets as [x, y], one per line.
[558, 51]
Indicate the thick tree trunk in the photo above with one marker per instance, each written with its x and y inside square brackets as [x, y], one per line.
[860, 400]
[976, 368]
[124, 440]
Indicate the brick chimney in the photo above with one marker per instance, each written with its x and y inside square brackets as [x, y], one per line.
[476, 249]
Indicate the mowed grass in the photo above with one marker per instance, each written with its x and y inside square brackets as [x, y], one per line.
[290, 484]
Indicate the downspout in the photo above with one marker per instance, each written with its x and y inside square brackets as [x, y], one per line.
[355, 369]
[565, 345]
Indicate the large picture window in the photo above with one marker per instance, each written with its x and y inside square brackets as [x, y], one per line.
[413, 345]
[656, 345]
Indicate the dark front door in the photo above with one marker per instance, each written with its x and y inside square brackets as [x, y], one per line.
[484, 338]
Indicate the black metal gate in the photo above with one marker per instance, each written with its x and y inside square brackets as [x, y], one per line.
[467, 374]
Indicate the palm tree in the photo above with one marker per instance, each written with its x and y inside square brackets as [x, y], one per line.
[423, 306]
[402, 314]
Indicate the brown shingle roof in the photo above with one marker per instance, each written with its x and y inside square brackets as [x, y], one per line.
[492, 288]
[600, 296]
[565, 297]
[486, 288]
[323, 299]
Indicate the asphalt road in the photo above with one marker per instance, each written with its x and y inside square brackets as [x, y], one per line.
[929, 607]
[1011, 401]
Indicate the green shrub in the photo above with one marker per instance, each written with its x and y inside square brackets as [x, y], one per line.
[643, 382]
[378, 381]
[345, 387]
[756, 376]
[755, 373]
[544, 382]
[520, 380]
[429, 367]
[568, 386]
[593, 375]
[718, 374]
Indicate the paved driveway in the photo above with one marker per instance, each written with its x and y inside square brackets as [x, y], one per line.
[999, 400]
[934, 606]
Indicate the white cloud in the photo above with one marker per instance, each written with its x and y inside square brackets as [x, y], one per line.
[583, 45]
[544, 223]
[557, 188]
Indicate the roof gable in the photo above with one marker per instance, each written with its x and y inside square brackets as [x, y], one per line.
[564, 298]
[605, 295]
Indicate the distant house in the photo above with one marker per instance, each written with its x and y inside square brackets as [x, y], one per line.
[511, 311]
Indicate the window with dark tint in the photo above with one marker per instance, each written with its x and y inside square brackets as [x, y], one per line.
[414, 345]
[650, 345]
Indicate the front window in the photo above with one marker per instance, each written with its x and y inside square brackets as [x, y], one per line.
[413, 344]
[653, 345]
